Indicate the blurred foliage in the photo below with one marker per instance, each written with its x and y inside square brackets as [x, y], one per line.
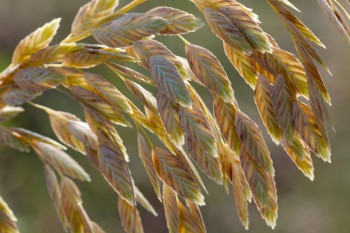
[314, 207]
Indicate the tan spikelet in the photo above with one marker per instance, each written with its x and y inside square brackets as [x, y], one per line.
[129, 28]
[37, 79]
[264, 102]
[285, 63]
[334, 14]
[300, 34]
[53, 187]
[292, 21]
[208, 69]
[168, 113]
[226, 30]
[141, 199]
[30, 136]
[98, 121]
[142, 94]
[145, 49]
[173, 171]
[244, 64]
[89, 57]
[170, 208]
[197, 128]
[250, 135]
[225, 115]
[240, 185]
[73, 207]
[180, 22]
[13, 139]
[300, 155]
[186, 222]
[114, 167]
[98, 103]
[319, 97]
[54, 53]
[130, 73]
[8, 112]
[108, 92]
[7, 219]
[145, 153]
[59, 160]
[35, 41]
[206, 161]
[18, 96]
[92, 14]
[248, 27]
[263, 187]
[126, 213]
[169, 81]
[59, 123]
[306, 125]
[283, 97]
[196, 216]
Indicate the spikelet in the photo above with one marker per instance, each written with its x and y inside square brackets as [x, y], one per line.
[54, 53]
[180, 22]
[37, 79]
[263, 187]
[59, 160]
[168, 111]
[333, 12]
[141, 199]
[108, 92]
[282, 100]
[114, 167]
[226, 30]
[241, 190]
[130, 73]
[300, 155]
[185, 223]
[13, 139]
[98, 103]
[7, 219]
[145, 49]
[173, 172]
[248, 26]
[306, 125]
[18, 96]
[264, 102]
[145, 153]
[253, 141]
[73, 209]
[92, 14]
[35, 41]
[207, 68]
[129, 28]
[126, 213]
[169, 80]
[70, 130]
[9, 112]
[170, 208]
[53, 187]
[92, 55]
[245, 65]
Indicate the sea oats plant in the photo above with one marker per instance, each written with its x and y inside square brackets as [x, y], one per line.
[221, 140]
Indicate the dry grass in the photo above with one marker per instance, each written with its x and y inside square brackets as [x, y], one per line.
[225, 143]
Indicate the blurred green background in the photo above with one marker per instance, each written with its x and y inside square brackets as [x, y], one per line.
[320, 206]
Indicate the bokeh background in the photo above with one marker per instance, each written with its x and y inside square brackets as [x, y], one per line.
[321, 206]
